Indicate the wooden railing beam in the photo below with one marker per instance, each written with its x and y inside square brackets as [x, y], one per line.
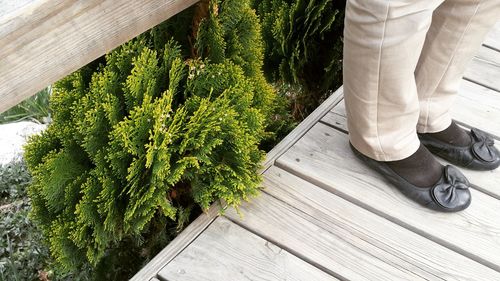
[41, 41]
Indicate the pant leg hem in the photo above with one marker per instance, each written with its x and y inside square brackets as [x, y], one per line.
[434, 127]
[392, 156]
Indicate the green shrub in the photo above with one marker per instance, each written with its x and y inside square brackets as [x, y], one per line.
[23, 255]
[19, 258]
[303, 48]
[14, 178]
[146, 137]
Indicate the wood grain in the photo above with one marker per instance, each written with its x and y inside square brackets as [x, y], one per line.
[323, 157]
[493, 38]
[9, 7]
[336, 120]
[346, 240]
[485, 68]
[181, 241]
[226, 251]
[477, 106]
[332, 249]
[44, 40]
[393, 244]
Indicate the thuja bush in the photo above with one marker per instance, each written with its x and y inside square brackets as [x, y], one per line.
[143, 139]
[303, 48]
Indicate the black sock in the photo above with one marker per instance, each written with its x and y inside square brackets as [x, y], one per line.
[420, 168]
[453, 135]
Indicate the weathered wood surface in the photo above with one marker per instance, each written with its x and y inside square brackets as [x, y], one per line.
[329, 247]
[9, 7]
[485, 68]
[344, 238]
[226, 251]
[42, 41]
[332, 248]
[396, 244]
[493, 38]
[477, 106]
[180, 242]
[323, 157]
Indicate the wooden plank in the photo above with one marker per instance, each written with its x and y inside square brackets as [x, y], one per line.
[330, 248]
[9, 7]
[485, 68]
[477, 106]
[493, 38]
[182, 240]
[323, 157]
[226, 251]
[487, 182]
[337, 117]
[336, 120]
[474, 104]
[343, 238]
[302, 128]
[392, 241]
[45, 40]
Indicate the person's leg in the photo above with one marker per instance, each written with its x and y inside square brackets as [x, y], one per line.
[458, 28]
[382, 43]
[383, 40]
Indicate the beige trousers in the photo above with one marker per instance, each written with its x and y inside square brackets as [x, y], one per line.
[403, 63]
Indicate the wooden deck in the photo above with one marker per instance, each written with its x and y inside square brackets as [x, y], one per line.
[323, 215]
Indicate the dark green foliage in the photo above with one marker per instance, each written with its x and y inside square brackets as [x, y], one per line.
[23, 255]
[14, 178]
[142, 141]
[21, 252]
[303, 47]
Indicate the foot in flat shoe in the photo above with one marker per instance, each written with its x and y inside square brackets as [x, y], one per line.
[454, 135]
[479, 154]
[420, 169]
[450, 193]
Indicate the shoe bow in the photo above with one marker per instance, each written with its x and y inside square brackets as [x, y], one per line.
[483, 146]
[452, 192]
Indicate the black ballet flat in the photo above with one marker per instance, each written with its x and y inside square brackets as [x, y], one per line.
[481, 154]
[450, 194]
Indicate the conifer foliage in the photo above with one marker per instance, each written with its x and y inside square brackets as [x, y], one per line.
[144, 137]
[303, 41]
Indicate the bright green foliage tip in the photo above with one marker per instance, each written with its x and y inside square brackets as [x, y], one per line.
[143, 137]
